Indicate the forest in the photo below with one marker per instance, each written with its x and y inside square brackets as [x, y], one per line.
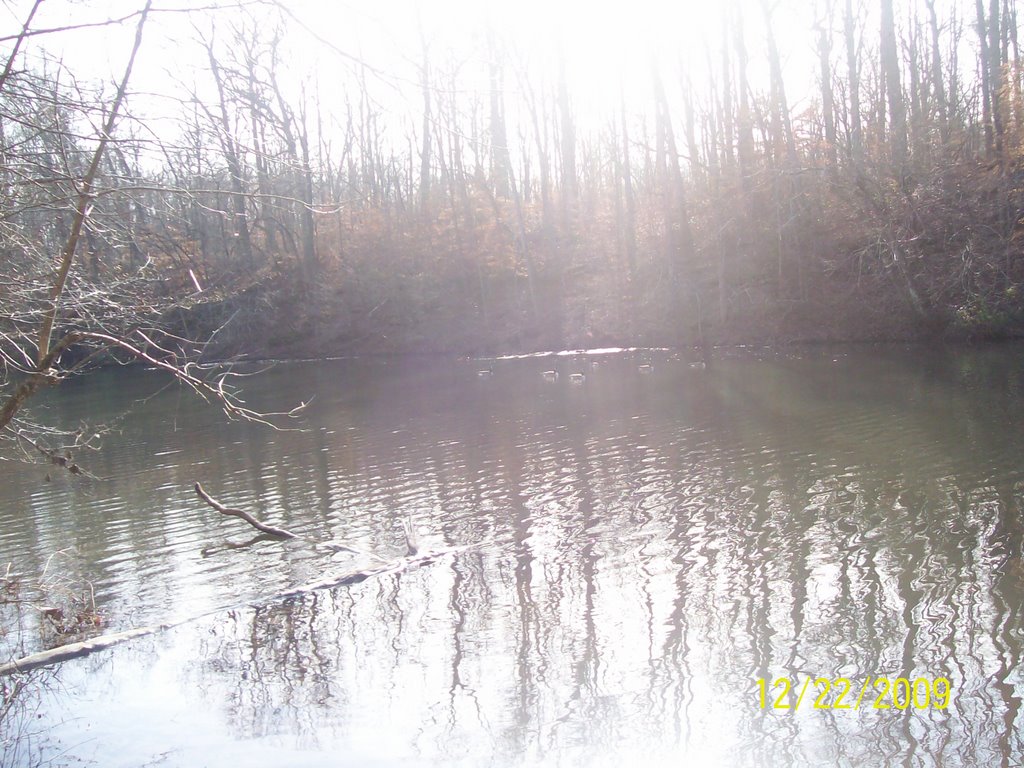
[836, 170]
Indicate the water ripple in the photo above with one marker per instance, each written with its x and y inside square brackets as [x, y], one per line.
[647, 546]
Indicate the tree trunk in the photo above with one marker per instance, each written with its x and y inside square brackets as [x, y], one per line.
[627, 189]
[568, 133]
[853, 84]
[232, 156]
[827, 99]
[986, 78]
[425, 142]
[745, 125]
[894, 93]
[937, 80]
[500, 162]
[782, 129]
[995, 75]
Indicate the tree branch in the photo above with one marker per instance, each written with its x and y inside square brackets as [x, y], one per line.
[85, 195]
[259, 525]
[17, 43]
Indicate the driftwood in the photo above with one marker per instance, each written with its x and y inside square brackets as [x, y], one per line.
[259, 525]
[102, 642]
[74, 650]
[411, 546]
[412, 558]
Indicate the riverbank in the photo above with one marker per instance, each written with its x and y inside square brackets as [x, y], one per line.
[284, 318]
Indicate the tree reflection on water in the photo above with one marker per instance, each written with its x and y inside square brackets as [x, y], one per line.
[649, 547]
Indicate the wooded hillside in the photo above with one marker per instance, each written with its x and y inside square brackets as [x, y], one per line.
[303, 212]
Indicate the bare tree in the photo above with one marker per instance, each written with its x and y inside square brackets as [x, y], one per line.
[825, 77]
[500, 161]
[894, 95]
[58, 320]
[231, 146]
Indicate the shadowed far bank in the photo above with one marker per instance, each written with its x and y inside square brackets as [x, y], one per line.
[468, 283]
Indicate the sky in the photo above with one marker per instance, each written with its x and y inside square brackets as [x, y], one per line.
[606, 44]
[608, 47]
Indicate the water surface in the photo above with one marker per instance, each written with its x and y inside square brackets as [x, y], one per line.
[647, 544]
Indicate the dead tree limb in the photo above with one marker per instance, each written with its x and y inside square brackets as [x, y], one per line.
[281, 533]
[414, 557]
[270, 530]
[330, 581]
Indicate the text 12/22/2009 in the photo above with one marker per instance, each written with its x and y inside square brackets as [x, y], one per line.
[840, 693]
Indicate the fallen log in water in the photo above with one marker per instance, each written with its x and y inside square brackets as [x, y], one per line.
[74, 650]
[102, 642]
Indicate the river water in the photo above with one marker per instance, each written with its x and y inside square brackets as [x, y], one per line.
[646, 545]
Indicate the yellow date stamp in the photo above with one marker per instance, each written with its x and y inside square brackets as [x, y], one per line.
[900, 693]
